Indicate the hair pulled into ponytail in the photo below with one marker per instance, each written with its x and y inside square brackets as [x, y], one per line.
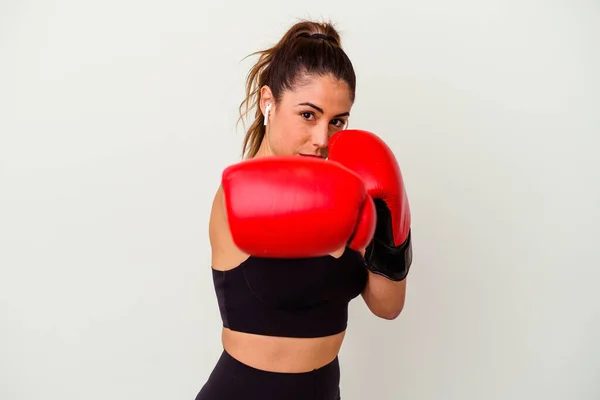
[307, 48]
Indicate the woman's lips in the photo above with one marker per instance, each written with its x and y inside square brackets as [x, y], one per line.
[311, 155]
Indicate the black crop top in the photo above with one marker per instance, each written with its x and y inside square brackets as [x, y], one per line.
[301, 297]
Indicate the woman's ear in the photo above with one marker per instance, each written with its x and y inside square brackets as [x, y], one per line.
[266, 97]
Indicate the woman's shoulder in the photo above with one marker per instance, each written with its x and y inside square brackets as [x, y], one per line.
[225, 254]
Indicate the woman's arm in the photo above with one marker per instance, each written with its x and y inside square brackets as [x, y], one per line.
[384, 297]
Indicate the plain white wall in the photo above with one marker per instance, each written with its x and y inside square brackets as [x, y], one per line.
[117, 118]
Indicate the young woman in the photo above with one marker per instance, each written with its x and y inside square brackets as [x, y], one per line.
[314, 217]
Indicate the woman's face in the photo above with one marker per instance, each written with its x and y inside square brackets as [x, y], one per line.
[302, 122]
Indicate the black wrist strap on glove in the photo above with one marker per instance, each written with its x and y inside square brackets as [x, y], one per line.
[393, 262]
[382, 257]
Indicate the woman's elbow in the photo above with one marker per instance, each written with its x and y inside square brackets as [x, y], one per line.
[386, 311]
[384, 298]
[390, 314]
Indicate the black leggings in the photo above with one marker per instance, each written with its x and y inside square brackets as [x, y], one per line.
[233, 380]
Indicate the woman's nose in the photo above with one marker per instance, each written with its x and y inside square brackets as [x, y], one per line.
[320, 137]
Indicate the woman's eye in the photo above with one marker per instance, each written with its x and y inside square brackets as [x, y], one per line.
[338, 123]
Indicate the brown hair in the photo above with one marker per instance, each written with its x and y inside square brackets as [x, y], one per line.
[307, 48]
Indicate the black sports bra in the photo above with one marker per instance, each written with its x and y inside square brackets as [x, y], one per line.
[300, 297]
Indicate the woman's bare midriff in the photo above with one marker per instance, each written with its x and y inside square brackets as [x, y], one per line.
[282, 354]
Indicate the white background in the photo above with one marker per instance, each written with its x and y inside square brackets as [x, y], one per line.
[117, 118]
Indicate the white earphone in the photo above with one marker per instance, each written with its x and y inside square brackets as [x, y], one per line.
[267, 113]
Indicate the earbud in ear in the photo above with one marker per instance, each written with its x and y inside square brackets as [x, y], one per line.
[268, 108]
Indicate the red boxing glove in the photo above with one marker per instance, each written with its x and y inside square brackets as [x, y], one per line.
[390, 252]
[296, 207]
